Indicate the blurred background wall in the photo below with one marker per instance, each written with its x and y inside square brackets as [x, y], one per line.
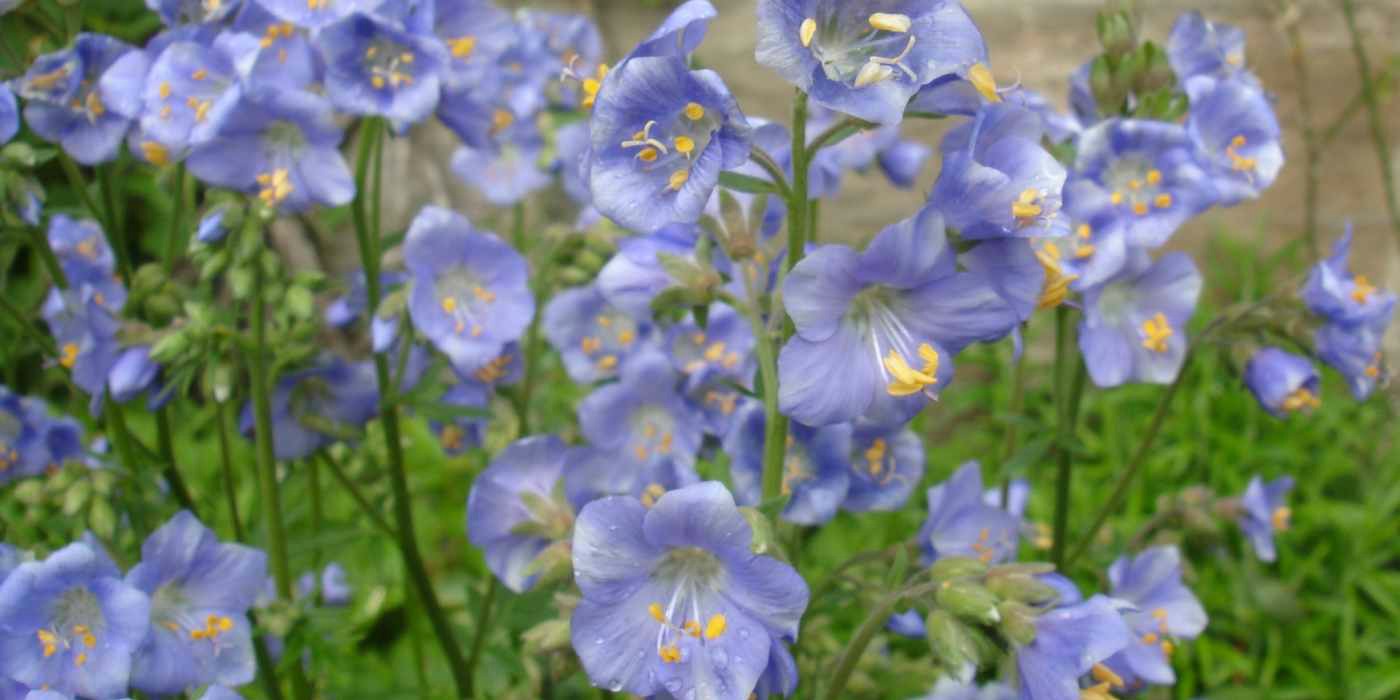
[1039, 42]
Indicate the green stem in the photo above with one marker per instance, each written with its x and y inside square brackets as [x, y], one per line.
[770, 166]
[855, 648]
[79, 185]
[171, 469]
[47, 257]
[226, 464]
[1373, 111]
[529, 351]
[116, 233]
[172, 237]
[1125, 478]
[1066, 408]
[366, 233]
[483, 623]
[313, 478]
[28, 326]
[271, 498]
[123, 442]
[359, 497]
[776, 424]
[1018, 402]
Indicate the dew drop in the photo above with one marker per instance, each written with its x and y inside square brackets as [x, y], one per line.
[743, 633]
[673, 685]
[719, 659]
[615, 684]
[598, 640]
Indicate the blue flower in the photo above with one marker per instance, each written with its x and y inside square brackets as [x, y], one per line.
[1265, 511]
[87, 261]
[69, 623]
[1164, 608]
[132, 373]
[1282, 382]
[1237, 136]
[331, 588]
[575, 44]
[286, 57]
[189, 88]
[1069, 642]
[200, 591]
[1134, 326]
[997, 180]
[674, 599]
[856, 58]
[508, 85]
[591, 473]
[65, 104]
[680, 33]
[212, 228]
[462, 433]
[722, 349]
[960, 524]
[886, 465]
[816, 466]
[949, 689]
[87, 338]
[593, 338]
[508, 168]
[1342, 298]
[635, 275]
[476, 33]
[1148, 173]
[315, 14]
[643, 416]
[280, 144]
[1356, 353]
[177, 12]
[218, 692]
[471, 293]
[1018, 495]
[661, 134]
[23, 449]
[9, 114]
[333, 390]
[1197, 47]
[517, 509]
[877, 331]
[376, 68]
[902, 161]
[348, 308]
[571, 145]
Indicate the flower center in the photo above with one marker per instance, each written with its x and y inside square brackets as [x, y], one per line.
[862, 57]
[1301, 399]
[894, 345]
[389, 65]
[673, 146]
[1156, 331]
[613, 334]
[77, 622]
[1137, 185]
[683, 620]
[652, 432]
[465, 300]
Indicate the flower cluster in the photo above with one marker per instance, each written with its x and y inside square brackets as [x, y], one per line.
[31, 440]
[73, 625]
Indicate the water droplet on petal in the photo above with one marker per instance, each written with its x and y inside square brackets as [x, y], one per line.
[615, 684]
[598, 640]
[743, 633]
[720, 659]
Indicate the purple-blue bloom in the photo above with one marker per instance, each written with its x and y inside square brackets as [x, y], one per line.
[462, 433]
[714, 359]
[200, 591]
[591, 473]
[997, 179]
[1265, 512]
[634, 275]
[9, 114]
[877, 330]
[315, 14]
[280, 144]
[1069, 642]
[816, 466]
[1164, 607]
[132, 373]
[675, 600]
[1344, 299]
[1134, 326]
[886, 465]
[643, 415]
[189, 86]
[508, 167]
[1237, 136]
[333, 390]
[592, 337]
[1356, 353]
[66, 104]
[374, 67]
[87, 261]
[70, 624]
[1197, 47]
[28, 438]
[960, 524]
[287, 57]
[86, 335]
[661, 134]
[177, 12]
[866, 59]
[471, 293]
[517, 509]
[1282, 382]
[1148, 173]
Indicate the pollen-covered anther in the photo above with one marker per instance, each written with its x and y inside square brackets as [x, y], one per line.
[164, 89]
[875, 457]
[715, 626]
[1156, 331]
[49, 641]
[678, 180]
[1162, 201]
[1084, 251]
[1154, 177]
[694, 111]
[982, 79]
[684, 145]
[651, 494]
[670, 654]
[891, 22]
[1281, 518]
[1104, 674]
[1300, 400]
[214, 625]
[69, 356]
[1027, 206]
[1362, 289]
[275, 187]
[199, 74]
[905, 380]
[155, 153]
[878, 69]
[807, 32]
[501, 120]
[1141, 208]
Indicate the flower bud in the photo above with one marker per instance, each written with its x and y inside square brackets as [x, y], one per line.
[1022, 588]
[969, 601]
[553, 565]
[1116, 32]
[950, 568]
[765, 537]
[952, 644]
[547, 637]
[169, 349]
[1017, 622]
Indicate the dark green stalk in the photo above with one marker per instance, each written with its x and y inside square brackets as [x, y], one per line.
[116, 233]
[226, 464]
[359, 497]
[770, 166]
[123, 442]
[776, 424]
[47, 257]
[483, 623]
[866, 632]
[313, 478]
[530, 350]
[1064, 431]
[79, 185]
[1018, 402]
[366, 233]
[28, 327]
[172, 236]
[1373, 111]
[1125, 478]
[171, 469]
[271, 498]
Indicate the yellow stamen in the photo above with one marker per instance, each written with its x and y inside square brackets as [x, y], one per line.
[694, 112]
[591, 345]
[984, 82]
[1362, 289]
[200, 74]
[1104, 674]
[462, 47]
[678, 180]
[875, 456]
[607, 362]
[1084, 251]
[1162, 201]
[484, 294]
[906, 381]
[685, 145]
[1154, 177]
[1301, 399]
[647, 155]
[670, 654]
[657, 613]
[1116, 198]
[1149, 638]
[651, 493]
[1281, 517]
[1140, 208]
[807, 31]
[1135, 184]
[155, 153]
[165, 90]
[70, 355]
[1084, 231]
[1027, 206]
[449, 304]
[715, 627]
[49, 642]
[890, 22]
[1156, 331]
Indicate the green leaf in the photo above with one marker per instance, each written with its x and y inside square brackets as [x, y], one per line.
[746, 183]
